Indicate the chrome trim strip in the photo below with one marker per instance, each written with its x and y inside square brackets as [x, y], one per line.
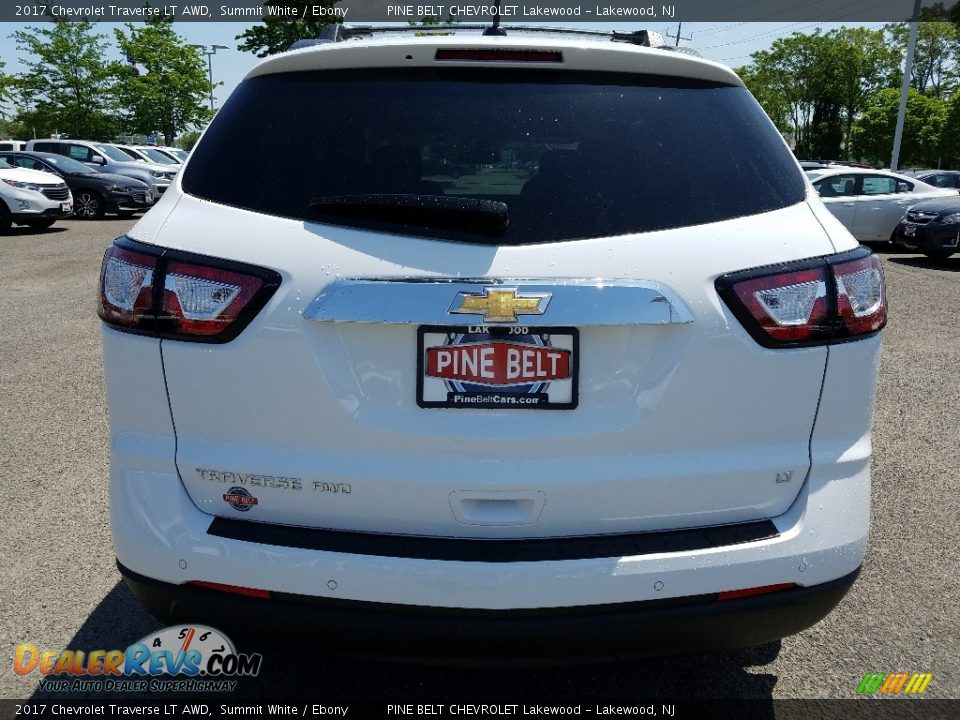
[426, 301]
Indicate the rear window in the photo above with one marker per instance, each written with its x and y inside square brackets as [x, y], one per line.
[570, 156]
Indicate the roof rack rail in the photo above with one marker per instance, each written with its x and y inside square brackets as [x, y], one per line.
[338, 32]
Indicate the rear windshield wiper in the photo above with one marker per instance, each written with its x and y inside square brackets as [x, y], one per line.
[442, 212]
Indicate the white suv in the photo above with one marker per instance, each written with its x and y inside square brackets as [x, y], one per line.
[528, 345]
[32, 198]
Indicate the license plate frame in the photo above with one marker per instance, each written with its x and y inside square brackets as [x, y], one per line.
[500, 397]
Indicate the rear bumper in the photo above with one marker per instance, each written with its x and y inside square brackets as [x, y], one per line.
[653, 627]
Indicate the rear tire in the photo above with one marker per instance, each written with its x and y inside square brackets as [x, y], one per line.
[88, 205]
[938, 254]
[40, 223]
[5, 220]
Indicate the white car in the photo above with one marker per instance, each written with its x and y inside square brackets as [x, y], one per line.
[606, 387]
[33, 198]
[176, 154]
[870, 203]
[158, 156]
[148, 153]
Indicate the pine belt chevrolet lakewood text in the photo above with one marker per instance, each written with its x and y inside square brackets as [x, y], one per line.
[537, 345]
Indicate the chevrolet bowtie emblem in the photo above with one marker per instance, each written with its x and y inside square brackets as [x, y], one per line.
[500, 305]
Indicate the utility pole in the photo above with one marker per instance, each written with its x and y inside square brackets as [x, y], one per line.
[678, 36]
[210, 53]
[905, 88]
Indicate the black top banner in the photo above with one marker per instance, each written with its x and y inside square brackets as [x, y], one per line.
[510, 11]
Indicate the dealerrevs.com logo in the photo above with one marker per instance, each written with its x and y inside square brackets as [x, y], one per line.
[189, 658]
[889, 684]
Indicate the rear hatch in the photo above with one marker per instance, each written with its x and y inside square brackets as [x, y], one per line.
[497, 315]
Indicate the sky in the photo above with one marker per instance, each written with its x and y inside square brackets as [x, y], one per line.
[730, 43]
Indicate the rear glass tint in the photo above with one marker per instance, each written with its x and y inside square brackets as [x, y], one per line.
[571, 156]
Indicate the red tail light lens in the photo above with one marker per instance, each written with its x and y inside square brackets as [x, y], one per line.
[790, 307]
[861, 295]
[126, 287]
[165, 293]
[811, 302]
[205, 300]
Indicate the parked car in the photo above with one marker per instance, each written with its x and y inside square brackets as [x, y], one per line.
[12, 144]
[28, 197]
[870, 203]
[155, 155]
[932, 227]
[582, 408]
[94, 193]
[107, 158]
[146, 153]
[814, 165]
[175, 154]
[937, 178]
[130, 152]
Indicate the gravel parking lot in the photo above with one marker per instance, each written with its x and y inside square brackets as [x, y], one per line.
[61, 589]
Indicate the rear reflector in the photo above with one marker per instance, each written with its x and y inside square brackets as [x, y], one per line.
[484, 55]
[811, 302]
[233, 589]
[750, 592]
[165, 293]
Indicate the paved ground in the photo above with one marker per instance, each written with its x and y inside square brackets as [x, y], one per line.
[61, 590]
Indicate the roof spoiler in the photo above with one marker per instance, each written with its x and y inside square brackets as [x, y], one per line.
[338, 32]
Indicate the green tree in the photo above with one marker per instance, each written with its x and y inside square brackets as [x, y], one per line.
[923, 130]
[763, 87]
[6, 85]
[865, 64]
[796, 76]
[950, 135]
[66, 86]
[935, 58]
[814, 86]
[277, 33]
[188, 140]
[164, 85]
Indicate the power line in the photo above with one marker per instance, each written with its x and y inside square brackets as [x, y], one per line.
[722, 28]
[795, 29]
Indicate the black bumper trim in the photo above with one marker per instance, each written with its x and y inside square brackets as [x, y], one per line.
[679, 625]
[497, 550]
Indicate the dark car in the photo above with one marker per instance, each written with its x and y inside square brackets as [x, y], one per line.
[94, 193]
[938, 178]
[932, 227]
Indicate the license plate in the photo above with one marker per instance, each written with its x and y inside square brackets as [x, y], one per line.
[66, 207]
[483, 367]
[909, 231]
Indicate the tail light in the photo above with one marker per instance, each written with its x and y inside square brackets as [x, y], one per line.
[153, 291]
[811, 302]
